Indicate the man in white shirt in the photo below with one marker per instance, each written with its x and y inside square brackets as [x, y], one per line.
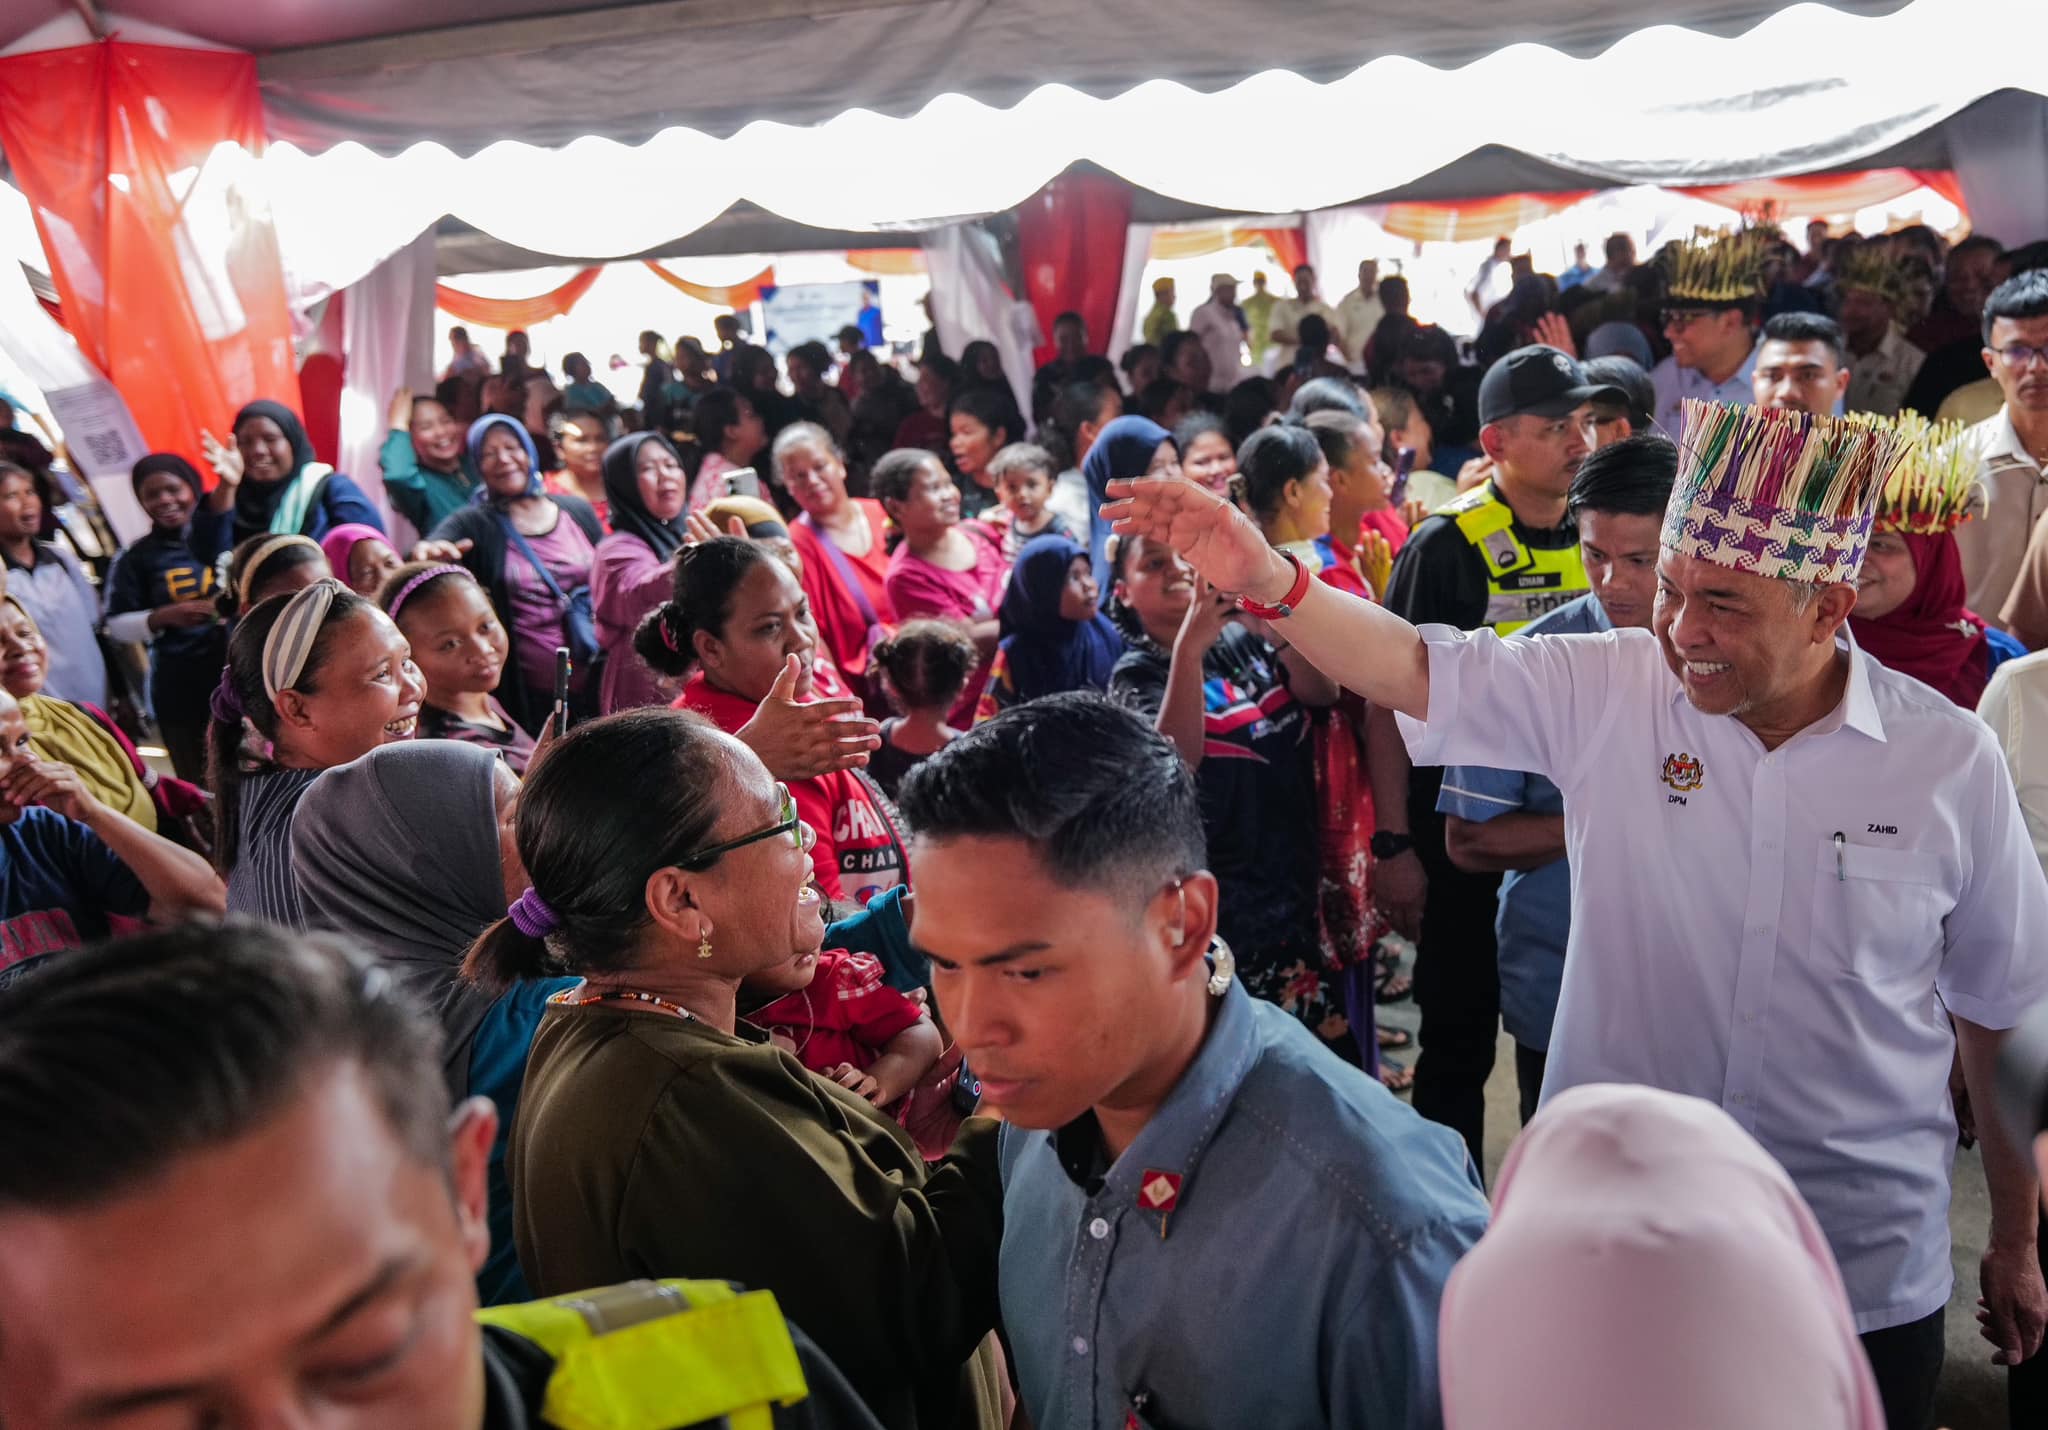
[1493, 280]
[1621, 261]
[1809, 864]
[1287, 316]
[1999, 560]
[1359, 314]
[1215, 323]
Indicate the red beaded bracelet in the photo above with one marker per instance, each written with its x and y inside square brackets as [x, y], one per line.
[1285, 605]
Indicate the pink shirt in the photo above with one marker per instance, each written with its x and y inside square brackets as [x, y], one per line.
[919, 588]
[536, 614]
[627, 580]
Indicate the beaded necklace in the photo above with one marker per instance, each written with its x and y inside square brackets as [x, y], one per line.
[621, 995]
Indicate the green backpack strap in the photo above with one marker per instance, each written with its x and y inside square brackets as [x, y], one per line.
[650, 1355]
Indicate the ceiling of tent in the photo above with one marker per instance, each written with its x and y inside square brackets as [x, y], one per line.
[389, 73]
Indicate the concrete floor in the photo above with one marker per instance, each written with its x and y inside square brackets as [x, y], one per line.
[1972, 1389]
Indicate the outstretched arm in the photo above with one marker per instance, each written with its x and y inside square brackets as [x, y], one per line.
[1364, 647]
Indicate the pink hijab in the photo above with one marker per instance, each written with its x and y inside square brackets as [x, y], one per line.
[1649, 1264]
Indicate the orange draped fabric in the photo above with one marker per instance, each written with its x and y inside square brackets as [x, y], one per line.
[1467, 219]
[1816, 195]
[1289, 245]
[729, 295]
[162, 251]
[886, 262]
[507, 313]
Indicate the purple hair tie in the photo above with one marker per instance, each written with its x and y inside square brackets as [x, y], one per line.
[405, 591]
[531, 915]
[224, 705]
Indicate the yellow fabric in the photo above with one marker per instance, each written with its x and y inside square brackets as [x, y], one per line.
[704, 1352]
[62, 733]
[1522, 583]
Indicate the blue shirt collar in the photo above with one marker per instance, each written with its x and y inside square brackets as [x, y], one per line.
[1179, 1132]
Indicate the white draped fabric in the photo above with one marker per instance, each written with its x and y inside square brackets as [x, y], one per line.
[388, 334]
[1809, 88]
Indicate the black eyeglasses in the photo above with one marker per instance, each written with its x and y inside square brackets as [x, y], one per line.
[787, 823]
[2018, 355]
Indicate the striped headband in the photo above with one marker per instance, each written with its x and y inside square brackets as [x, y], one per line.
[291, 639]
[405, 591]
[262, 554]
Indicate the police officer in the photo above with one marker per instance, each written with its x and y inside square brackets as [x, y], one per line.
[232, 1193]
[1500, 555]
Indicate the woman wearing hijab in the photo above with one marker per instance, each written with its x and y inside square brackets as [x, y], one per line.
[1910, 591]
[360, 557]
[277, 485]
[1127, 447]
[635, 567]
[1649, 1264]
[1055, 637]
[402, 850]
[160, 592]
[533, 551]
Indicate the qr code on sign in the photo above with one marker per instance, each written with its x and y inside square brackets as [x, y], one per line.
[106, 449]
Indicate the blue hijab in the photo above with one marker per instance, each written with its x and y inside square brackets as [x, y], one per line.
[1124, 449]
[1047, 653]
[480, 429]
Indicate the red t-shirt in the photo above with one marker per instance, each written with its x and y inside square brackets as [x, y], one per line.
[846, 1016]
[842, 626]
[859, 853]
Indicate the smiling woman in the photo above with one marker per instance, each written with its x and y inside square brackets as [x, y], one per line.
[313, 680]
[645, 490]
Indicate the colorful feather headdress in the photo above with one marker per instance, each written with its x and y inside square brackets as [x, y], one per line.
[1786, 495]
[1936, 488]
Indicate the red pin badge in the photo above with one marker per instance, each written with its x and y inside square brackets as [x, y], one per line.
[1160, 1192]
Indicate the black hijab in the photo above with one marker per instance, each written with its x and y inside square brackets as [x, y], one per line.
[170, 462]
[256, 502]
[622, 493]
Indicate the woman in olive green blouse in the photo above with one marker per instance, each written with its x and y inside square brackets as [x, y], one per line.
[660, 1135]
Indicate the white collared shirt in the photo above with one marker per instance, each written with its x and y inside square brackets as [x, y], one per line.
[2015, 706]
[1780, 932]
[1357, 316]
[1878, 380]
[1214, 323]
[2017, 491]
[1674, 384]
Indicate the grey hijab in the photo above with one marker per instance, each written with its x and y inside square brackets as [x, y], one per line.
[400, 850]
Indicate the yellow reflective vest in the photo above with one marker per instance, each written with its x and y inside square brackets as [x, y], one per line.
[649, 1355]
[1521, 583]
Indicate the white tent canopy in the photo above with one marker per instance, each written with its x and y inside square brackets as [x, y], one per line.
[466, 73]
[1809, 88]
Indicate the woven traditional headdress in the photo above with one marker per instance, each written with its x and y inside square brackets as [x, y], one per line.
[1936, 488]
[1781, 494]
[1717, 270]
[1868, 266]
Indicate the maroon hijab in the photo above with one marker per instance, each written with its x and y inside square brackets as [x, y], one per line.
[1933, 637]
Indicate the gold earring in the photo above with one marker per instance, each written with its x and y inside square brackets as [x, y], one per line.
[704, 946]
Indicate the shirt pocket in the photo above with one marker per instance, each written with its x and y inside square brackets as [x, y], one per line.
[1877, 913]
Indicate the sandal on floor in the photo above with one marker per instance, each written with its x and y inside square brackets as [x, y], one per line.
[1397, 1077]
[1392, 1038]
[1392, 988]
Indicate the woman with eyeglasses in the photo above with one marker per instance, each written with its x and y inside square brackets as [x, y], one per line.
[661, 1134]
[739, 627]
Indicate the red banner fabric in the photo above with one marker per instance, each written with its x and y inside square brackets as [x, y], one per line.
[1289, 245]
[138, 163]
[505, 314]
[1071, 237]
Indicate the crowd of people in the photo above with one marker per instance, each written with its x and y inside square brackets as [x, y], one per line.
[821, 842]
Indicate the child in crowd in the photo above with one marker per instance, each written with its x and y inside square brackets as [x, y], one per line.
[924, 668]
[361, 557]
[459, 647]
[1024, 474]
[264, 566]
[835, 1013]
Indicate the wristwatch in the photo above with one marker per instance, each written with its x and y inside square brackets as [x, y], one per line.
[1386, 844]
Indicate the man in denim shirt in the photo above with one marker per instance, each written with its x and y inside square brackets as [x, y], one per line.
[1208, 1219]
